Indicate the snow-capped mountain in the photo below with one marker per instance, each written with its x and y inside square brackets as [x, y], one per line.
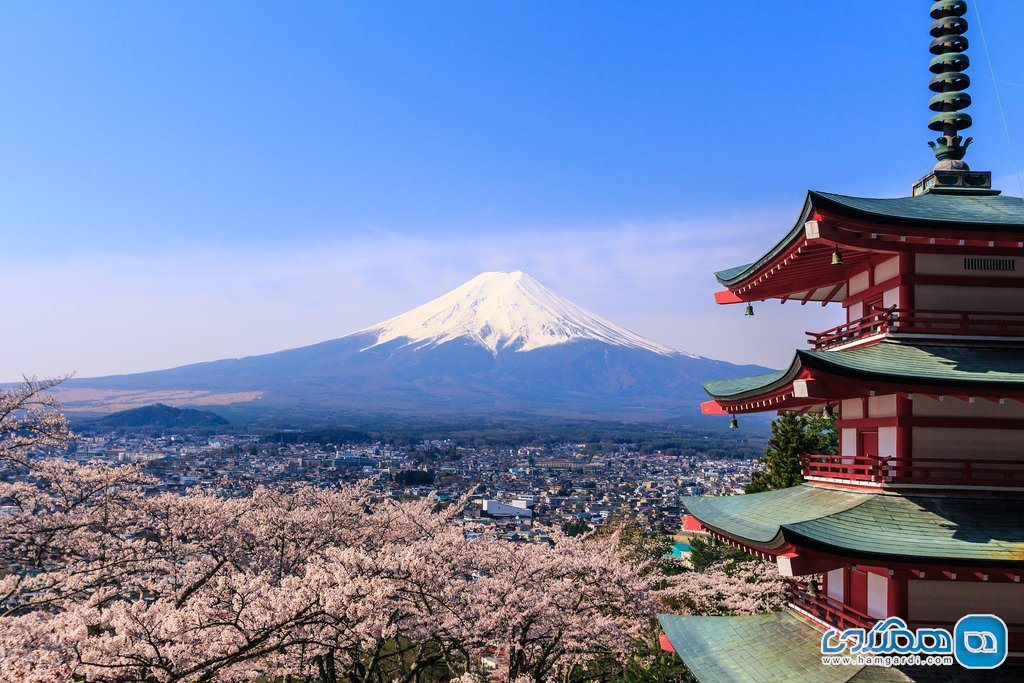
[505, 311]
[500, 344]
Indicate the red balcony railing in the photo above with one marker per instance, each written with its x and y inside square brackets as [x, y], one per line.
[875, 322]
[956, 472]
[921, 321]
[916, 470]
[978, 323]
[825, 608]
[853, 467]
[843, 616]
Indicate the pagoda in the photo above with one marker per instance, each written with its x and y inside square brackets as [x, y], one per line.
[921, 514]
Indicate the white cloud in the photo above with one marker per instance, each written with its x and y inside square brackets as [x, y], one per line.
[109, 313]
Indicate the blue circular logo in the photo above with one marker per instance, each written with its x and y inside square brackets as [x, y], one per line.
[979, 641]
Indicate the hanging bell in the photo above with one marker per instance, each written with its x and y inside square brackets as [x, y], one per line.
[828, 412]
[750, 310]
[734, 423]
[837, 257]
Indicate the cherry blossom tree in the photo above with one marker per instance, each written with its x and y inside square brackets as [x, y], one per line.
[724, 588]
[105, 578]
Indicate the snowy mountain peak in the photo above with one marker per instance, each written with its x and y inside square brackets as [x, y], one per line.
[505, 311]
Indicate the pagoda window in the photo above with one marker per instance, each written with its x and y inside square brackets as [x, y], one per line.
[980, 266]
[1002, 265]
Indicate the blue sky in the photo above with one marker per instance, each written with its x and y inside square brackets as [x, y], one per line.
[185, 181]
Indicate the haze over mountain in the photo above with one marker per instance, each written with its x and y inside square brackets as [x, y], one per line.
[501, 343]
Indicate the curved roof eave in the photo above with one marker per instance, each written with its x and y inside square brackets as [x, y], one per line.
[731, 276]
[936, 364]
[755, 385]
[761, 518]
[969, 530]
[968, 212]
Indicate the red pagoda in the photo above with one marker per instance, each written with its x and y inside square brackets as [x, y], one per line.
[921, 514]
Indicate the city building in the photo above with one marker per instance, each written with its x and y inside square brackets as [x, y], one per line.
[516, 508]
[921, 514]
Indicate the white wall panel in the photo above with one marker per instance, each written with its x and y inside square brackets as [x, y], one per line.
[835, 585]
[878, 596]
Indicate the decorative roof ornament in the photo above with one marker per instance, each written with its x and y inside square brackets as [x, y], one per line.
[951, 175]
[950, 83]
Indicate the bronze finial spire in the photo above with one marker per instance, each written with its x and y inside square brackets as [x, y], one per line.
[950, 84]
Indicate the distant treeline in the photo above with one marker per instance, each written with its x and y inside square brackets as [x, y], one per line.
[318, 436]
[707, 436]
[598, 437]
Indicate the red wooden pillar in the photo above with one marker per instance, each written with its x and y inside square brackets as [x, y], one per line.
[897, 597]
[858, 599]
[904, 432]
[906, 291]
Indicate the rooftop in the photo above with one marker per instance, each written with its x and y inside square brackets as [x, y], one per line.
[944, 529]
[783, 647]
[762, 647]
[894, 223]
[913, 364]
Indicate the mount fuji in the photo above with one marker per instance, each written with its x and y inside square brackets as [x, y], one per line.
[500, 344]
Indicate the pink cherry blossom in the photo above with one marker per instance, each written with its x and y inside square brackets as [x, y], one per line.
[107, 580]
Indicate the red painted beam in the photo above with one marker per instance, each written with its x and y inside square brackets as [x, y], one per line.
[900, 242]
[891, 283]
[897, 231]
[712, 408]
[726, 296]
[935, 422]
[832, 294]
[817, 386]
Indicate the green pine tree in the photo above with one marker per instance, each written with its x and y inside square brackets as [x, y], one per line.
[793, 436]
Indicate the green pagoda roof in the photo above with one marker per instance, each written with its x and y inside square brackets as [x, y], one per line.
[781, 647]
[963, 212]
[913, 363]
[956, 211]
[914, 528]
[762, 647]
